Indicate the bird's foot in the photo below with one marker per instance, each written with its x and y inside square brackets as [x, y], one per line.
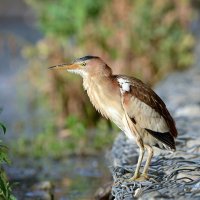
[143, 177]
[139, 178]
[134, 178]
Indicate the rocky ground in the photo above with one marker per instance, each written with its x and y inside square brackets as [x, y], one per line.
[173, 176]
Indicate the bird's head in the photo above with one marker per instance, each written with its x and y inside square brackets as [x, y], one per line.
[84, 66]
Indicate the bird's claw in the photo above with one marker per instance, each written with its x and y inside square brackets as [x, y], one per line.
[143, 177]
[139, 178]
[134, 178]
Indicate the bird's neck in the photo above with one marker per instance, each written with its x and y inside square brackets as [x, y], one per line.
[103, 92]
[91, 81]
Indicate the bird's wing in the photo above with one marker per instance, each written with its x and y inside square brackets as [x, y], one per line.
[145, 107]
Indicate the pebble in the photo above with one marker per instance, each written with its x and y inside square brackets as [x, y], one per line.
[44, 185]
[138, 192]
[196, 188]
[41, 191]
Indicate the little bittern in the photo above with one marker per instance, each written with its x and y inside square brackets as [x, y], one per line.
[133, 106]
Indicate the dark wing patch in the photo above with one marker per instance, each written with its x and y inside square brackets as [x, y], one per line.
[149, 97]
[133, 120]
[166, 138]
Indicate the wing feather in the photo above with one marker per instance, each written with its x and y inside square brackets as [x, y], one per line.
[146, 107]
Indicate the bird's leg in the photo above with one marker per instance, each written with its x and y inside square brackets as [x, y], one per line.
[137, 170]
[149, 149]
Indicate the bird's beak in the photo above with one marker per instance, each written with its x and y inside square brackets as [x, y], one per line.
[64, 67]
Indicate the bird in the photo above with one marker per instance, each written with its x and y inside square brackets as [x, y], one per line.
[131, 104]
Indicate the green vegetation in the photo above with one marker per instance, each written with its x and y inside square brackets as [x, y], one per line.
[147, 39]
[66, 18]
[73, 139]
[5, 187]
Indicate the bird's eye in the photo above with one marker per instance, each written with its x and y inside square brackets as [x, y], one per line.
[83, 64]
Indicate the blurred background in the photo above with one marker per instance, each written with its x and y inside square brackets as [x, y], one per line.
[54, 135]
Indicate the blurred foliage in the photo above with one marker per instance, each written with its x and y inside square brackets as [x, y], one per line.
[5, 187]
[147, 39]
[72, 139]
[66, 18]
